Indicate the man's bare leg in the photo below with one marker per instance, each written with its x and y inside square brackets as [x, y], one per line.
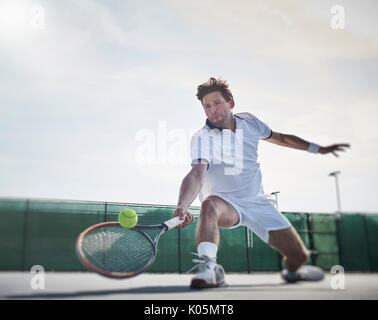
[215, 213]
[295, 254]
[291, 247]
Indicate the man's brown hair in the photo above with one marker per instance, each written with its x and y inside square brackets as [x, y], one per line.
[213, 85]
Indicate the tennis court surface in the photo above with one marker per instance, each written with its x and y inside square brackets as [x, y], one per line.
[169, 286]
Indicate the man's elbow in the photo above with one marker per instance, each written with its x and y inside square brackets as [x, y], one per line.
[197, 173]
[278, 138]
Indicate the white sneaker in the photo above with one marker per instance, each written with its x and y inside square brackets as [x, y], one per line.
[304, 273]
[209, 275]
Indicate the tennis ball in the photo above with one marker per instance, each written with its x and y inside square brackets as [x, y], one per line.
[127, 218]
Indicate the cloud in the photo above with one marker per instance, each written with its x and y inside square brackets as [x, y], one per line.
[259, 28]
[74, 95]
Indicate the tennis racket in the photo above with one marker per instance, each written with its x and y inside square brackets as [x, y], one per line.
[116, 252]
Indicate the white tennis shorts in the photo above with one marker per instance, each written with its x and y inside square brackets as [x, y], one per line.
[259, 217]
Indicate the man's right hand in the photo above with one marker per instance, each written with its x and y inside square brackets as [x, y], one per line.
[182, 212]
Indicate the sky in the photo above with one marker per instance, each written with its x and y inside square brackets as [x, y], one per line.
[97, 98]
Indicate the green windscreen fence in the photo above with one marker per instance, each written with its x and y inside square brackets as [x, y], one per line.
[356, 250]
[44, 232]
[233, 250]
[371, 223]
[12, 230]
[323, 231]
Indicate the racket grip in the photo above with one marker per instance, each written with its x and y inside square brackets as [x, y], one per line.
[173, 223]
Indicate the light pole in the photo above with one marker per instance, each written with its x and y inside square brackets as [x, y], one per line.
[335, 174]
[275, 193]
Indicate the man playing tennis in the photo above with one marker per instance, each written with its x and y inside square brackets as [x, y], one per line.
[227, 177]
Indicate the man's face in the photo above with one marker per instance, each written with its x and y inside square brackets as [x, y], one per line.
[217, 109]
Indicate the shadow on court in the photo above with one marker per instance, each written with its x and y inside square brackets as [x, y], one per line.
[142, 290]
[147, 290]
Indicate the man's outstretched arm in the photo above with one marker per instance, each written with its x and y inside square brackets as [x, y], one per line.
[190, 187]
[291, 141]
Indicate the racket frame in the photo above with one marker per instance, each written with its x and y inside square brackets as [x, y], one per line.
[118, 275]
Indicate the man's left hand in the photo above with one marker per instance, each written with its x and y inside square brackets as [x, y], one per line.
[333, 148]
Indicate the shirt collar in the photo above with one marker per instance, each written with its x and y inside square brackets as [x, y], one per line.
[211, 126]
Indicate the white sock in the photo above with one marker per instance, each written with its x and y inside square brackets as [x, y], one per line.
[208, 249]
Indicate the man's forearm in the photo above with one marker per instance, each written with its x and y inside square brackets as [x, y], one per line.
[295, 142]
[190, 187]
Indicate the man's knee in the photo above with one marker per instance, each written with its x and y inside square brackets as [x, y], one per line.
[299, 257]
[208, 208]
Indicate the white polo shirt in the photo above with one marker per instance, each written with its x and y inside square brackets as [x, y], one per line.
[233, 170]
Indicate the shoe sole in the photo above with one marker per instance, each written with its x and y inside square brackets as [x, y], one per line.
[202, 284]
[302, 280]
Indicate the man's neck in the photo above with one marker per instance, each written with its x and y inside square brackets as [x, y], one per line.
[230, 124]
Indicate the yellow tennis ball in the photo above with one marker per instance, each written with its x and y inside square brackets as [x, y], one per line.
[127, 218]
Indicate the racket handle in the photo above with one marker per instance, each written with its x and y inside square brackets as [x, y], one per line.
[173, 223]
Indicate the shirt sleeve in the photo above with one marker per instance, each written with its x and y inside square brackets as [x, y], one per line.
[265, 131]
[199, 149]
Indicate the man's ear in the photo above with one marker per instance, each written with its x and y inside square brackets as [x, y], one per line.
[232, 103]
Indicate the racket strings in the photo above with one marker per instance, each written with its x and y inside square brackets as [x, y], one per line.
[116, 249]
